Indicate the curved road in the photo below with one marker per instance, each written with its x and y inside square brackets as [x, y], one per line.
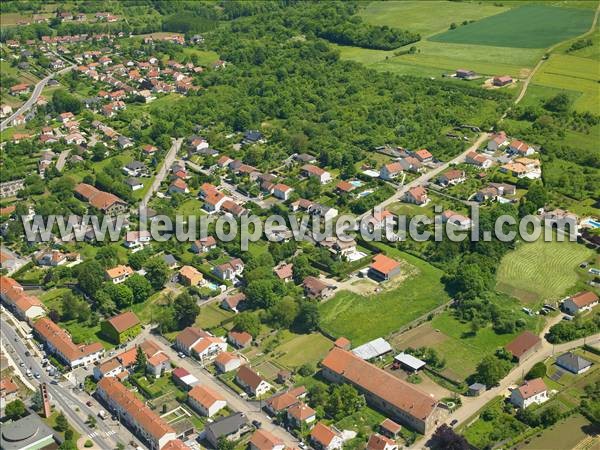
[37, 90]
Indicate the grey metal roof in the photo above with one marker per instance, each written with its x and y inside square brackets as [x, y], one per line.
[227, 425]
[372, 349]
[410, 361]
[571, 360]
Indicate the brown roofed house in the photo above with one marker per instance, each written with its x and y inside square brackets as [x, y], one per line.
[524, 345]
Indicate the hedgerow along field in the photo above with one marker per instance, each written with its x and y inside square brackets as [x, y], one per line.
[540, 271]
[529, 26]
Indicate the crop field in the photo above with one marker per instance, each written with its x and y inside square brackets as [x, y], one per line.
[573, 73]
[567, 433]
[362, 318]
[539, 270]
[426, 17]
[530, 26]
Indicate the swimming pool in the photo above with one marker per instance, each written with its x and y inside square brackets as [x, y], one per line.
[594, 223]
[213, 286]
[356, 183]
[365, 193]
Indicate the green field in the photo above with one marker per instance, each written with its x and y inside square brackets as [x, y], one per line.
[426, 17]
[302, 349]
[362, 318]
[211, 316]
[530, 26]
[565, 434]
[539, 270]
[573, 73]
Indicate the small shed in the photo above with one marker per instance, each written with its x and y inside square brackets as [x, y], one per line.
[409, 362]
[476, 389]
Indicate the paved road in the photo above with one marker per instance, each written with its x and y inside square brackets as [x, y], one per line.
[106, 433]
[234, 401]
[471, 405]
[163, 171]
[37, 90]
[429, 175]
[62, 159]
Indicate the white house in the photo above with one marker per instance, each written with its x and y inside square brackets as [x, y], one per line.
[230, 270]
[498, 140]
[281, 191]
[252, 382]
[309, 170]
[532, 391]
[118, 274]
[134, 239]
[206, 401]
[573, 363]
[520, 148]
[324, 438]
[582, 301]
[390, 171]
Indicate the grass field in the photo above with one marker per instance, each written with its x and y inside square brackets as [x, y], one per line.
[426, 17]
[565, 434]
[211, 316]
[364, 318]
[573, 73]
[530, 26]
[541, 270]
[302, 349]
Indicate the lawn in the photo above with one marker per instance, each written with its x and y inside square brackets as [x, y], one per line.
[573, 73]
[540, 271]
[530, 26]
[211, 316]
[565, 434]
[302, 349]
[426, 17]
[362, 318]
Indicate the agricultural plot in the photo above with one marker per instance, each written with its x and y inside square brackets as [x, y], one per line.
[573, 73]
[361, 318]
[540, 271]
[426, 17]
[567, 433]
[530, 26]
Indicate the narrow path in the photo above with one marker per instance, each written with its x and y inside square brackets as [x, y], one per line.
[163, 171]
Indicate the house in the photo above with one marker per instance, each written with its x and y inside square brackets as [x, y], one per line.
[204, 244]
[9, 391]
[179, 186]
[495, 191]
[458, 220]
[239, 339]
[234, 302]
[340, 248]
[144, 422]
[170, 261]
[452, 177]
[253, 137]
[124, 142]
[118, 274]
[423, 155]
[523, 346]
[230, 270]
[530, 392]
[158, 364]
[383, 267]
[390, 171]
[106, 202]
[497, 141]
[19, 89]
[138, 238]
[285, 272]
[301, 414]
[323, 437]
[390, 428]
[464, 73]
[343, 343]
[199, 343]
[306, 158]
[416, 195]
[582, 301]
[282, 191]
[149, 149]
[344, 187]
[197, 143]
[134, 183]
[58, 342]
[51, 258]
[213, 200]
[226, 362]
[183, 378]
[573, 363]
[232, 208]
[229, 428]
[190, 276]
[264, 440]
[380, 442]
[516, 169]
[479, 160]
[121, 328]
[520, 148]
[25, 307]
[394, 397]
[136, 169]
[502, 80]
[309, 170]
[315, 288]
[5, 111]
[280, 402]
[252, 382]
[205, 401]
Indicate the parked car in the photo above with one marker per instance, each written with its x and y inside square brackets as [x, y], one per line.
[88, 403]
[257, 423]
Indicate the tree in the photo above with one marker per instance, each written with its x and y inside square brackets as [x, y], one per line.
[308, 318]
[62, 101]
[157, 273]
[560, 103]
[225, 444]
[120, 294]
[15, 409]
[445, 438]
[61, 423]
[248, 322]
[537, 371]
[68, 444]
[140, 360]
[90, 277]
[37, 402]
[550, 415]
[140, 286]
[91, 421]
[185, 310]
[343, 401]
[283, 313]
[69, 306]
[491, 370]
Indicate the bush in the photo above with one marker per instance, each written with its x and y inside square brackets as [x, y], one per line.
[88, 444]
[537, 371]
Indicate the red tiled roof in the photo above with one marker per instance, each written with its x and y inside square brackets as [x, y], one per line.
[532, 387]
[322, 434]
[379, 442]
[204, 396]
[241, 337]
[585, 298]
[384, 264]
[249, 377]
[61, 340]
[522, 343]
[263, 440]
[124, 321]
